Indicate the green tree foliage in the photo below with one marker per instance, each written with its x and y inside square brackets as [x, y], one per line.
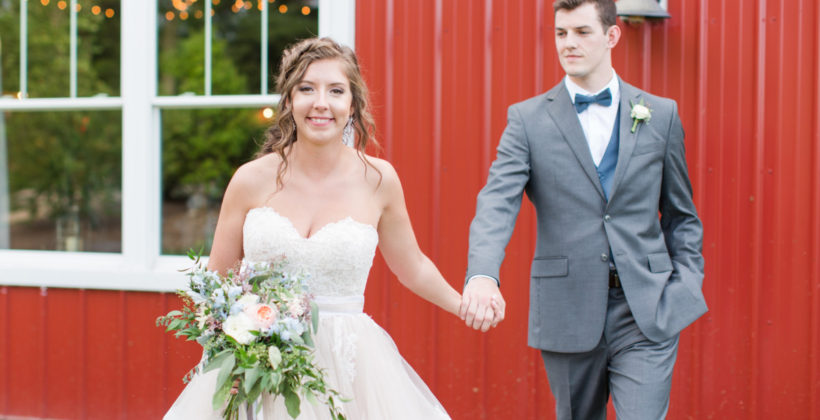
[201, 148]
[73, 159]
[64, 161]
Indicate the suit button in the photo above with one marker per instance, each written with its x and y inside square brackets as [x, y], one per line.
[607, 218]
[604, 257]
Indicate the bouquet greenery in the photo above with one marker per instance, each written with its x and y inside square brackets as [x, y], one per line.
[256, 325]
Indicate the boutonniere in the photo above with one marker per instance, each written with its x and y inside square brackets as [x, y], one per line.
[640, 112]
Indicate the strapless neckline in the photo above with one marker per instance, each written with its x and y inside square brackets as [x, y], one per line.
[347, 219]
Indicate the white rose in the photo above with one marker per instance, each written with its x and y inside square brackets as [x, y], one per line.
[640, 112]
[248, 300]
[239, 327]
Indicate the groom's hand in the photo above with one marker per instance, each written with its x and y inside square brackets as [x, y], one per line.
[482, 305]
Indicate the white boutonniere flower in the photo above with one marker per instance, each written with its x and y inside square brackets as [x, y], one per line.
[640, 112]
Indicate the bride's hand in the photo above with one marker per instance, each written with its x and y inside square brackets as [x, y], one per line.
[482, 305]
[499, 309]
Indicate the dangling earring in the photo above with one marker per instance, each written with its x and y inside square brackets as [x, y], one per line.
[347, 134]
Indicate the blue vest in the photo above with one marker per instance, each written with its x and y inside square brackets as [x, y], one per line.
[606, 168]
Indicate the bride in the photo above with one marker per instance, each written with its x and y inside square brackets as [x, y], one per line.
[315, 197]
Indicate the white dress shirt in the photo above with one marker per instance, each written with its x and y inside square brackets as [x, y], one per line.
[597, 120]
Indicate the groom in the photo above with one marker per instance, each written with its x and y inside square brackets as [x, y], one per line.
[612, 284]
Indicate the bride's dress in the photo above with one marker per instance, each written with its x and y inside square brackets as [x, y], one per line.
[359, 357]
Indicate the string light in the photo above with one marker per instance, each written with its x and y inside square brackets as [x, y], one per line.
[183, 5]
[96, 9]
[267, 113]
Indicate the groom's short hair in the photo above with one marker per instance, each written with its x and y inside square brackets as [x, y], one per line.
[606, 9]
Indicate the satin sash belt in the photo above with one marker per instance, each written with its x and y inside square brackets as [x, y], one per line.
[340, 304]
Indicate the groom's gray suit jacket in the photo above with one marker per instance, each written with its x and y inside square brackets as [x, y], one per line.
[544, 153]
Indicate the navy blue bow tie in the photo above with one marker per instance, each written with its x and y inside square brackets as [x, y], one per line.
[582, 101]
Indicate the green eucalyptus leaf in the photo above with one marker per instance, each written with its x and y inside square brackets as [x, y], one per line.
[276, 379]
[257, 279]
[311, 398]
[221, 395]
[307, 337]
[225, 372]
[292, 402]
[217, 360]
[275, 356]
[251, 376]
[266, 382]
[254, 393]
[314, 315]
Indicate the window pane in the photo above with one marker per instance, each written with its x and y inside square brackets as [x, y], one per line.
[9, 48]
[201, 149]
[181, 44]
[288, 21]
[98, 50]
[236, 63]
[49, 51]
[62, 182]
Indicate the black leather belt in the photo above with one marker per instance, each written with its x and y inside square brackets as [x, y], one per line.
[614, 280]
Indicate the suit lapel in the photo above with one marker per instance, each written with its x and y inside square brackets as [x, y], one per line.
[562, 112]
[627, 138]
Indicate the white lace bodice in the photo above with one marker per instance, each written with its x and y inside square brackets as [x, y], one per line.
[337, 257]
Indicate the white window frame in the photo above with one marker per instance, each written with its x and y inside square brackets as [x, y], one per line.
[140, 265]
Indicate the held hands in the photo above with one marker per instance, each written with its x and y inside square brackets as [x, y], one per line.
[482, 305]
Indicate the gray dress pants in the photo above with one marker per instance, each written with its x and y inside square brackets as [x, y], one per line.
[636, 370]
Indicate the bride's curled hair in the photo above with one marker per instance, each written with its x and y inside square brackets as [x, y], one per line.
[295, 62]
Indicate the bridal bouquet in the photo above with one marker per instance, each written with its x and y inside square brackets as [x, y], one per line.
[256, 325]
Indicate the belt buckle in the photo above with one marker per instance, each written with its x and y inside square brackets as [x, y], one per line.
[614, 279]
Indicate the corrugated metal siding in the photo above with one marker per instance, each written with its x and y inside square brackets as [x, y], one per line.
[746, 75]
[88, 354]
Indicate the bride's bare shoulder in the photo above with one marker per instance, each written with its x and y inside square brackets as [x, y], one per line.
[385, 178]
[384, 171]
[252, 177]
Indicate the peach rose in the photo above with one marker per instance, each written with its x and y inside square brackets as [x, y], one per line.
[262, 315]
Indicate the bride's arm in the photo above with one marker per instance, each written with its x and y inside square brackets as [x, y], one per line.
[226, 251]
[398, 245]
